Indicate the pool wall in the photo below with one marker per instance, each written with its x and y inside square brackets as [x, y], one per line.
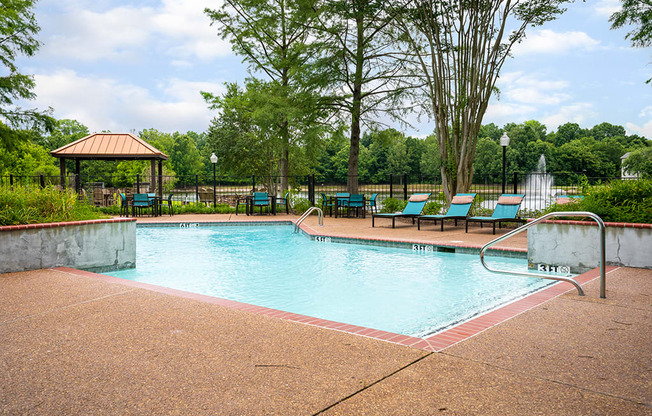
[98, 245]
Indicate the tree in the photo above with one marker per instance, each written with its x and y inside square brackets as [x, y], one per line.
[17, 30]
[273, 38]
[639, 162]
[362, 65]
[460, 47]
[639, 14]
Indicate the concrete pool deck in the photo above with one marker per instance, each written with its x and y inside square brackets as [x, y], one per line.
[71, 343]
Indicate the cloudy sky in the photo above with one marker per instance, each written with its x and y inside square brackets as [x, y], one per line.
[131, 65]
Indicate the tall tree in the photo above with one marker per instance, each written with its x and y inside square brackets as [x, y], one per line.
[273, 38]
[362, 64]
[460, 47]
[639, 14]
[17, 30]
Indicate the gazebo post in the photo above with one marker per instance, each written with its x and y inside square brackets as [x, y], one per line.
[77, 176]
[152, 180]
[62, 172]
[160, 179]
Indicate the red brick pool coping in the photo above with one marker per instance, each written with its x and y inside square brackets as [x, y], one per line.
[433, 343]
[62, 224]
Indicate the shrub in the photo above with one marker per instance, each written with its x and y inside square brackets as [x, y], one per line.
[393, 205]
[619, 201]
[300, 205]
[20, 205]
[432, 208]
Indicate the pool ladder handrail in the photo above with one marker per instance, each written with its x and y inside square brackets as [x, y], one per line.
[305, 215]
[532, 223]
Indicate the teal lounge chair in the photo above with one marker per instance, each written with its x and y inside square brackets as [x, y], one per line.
[412, 210]
[505, 211]
[371, 203]
[459, 210]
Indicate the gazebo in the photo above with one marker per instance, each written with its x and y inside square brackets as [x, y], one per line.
[112, 146]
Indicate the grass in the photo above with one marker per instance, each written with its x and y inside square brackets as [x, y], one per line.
[20, 205]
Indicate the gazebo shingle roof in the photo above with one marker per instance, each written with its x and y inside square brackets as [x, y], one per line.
[109, 146]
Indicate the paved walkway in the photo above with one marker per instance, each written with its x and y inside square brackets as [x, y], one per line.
[73, 343]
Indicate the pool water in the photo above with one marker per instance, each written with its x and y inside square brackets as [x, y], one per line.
[396, 290]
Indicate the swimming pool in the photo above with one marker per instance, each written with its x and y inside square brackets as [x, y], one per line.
[414, 293]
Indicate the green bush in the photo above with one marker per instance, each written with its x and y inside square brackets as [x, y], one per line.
[19, 205]
[300, 205]
[432, 208]
[393, 205]
[619, 201]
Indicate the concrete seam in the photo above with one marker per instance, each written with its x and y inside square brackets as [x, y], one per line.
[562, 383]
[372, 384]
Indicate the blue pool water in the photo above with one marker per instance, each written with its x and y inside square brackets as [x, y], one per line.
[396, 290]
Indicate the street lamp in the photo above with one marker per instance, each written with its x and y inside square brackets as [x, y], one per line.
[504, 142]
[214, 162]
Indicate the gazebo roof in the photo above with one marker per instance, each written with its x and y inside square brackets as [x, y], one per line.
[109, 146]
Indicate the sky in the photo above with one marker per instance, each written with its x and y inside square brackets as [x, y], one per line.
[126, 66]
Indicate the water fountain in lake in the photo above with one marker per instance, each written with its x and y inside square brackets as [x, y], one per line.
[538, 187]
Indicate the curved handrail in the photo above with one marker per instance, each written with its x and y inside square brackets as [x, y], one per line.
[543, 276]
[305, 215]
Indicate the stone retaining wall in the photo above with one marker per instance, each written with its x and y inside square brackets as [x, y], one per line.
[577, 244]
[97, 245]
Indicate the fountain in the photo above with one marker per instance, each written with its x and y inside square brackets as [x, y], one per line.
[538, 187]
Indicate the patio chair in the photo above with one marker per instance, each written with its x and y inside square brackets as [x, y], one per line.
[326, 204]
[124, 205]
[342, 201]
[168, 202]
[413, 209]
[505, 211]
[284, 201]
[371, 203]
[459, 210]
[261, 199]
[356, 201]
[140, 202]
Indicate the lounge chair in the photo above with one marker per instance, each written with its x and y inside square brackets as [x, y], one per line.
[412, 210]
[568, 199]
[459, 210]
[505, 211]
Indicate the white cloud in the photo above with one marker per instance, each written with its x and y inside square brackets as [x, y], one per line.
[177, 28]
[606, 8]
[644, 130]
[106, 104]
[534, 89]
[550, 42]
[580, 113]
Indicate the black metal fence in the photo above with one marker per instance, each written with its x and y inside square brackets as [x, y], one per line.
[540, 189]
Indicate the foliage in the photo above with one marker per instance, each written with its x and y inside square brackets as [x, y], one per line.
[618, 201]
[393, 205]
[640, 162]
[432, 208]
[20, 205]
[273, 37]
[635, 13]
[17, 30]
[300, 205]
[361, 67]
[459, 49]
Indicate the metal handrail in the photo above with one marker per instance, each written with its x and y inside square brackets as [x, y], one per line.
[305, 215]
[597, 219]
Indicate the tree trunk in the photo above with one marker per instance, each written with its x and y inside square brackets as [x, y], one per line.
[354, 151]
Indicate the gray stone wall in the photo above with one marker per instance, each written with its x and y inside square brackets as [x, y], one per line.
[97, 246]
[578, 246]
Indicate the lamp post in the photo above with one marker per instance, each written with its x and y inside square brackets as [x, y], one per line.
[214, 162]
[504, 142]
